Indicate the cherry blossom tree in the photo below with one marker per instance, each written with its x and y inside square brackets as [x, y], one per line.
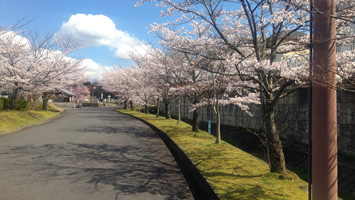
[345, 71]
[202, 87]
[192, 85]
[59, 71]
[56, 70]
[82, 92]
[257, 33]
[14, 53]
[30, 65]
[143, 88]
[219, 88]
[161, 67]
[118, 82]
[130, 85]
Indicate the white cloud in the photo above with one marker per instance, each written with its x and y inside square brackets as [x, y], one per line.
[94, 70]
[97, 30]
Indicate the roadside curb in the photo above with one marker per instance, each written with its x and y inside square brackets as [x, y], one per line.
[61, 113]
[199, 187]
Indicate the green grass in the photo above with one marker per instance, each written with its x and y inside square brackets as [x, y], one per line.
[14, 120]
[232, 173]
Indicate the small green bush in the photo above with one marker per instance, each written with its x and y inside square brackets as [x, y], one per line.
[2, 102]
[20, 104]
[6, 102]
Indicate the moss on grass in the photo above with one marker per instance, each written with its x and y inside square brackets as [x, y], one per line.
[232, 173]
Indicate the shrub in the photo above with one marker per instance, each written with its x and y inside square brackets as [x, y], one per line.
[6, 103]
[2, 102]
[22, 105]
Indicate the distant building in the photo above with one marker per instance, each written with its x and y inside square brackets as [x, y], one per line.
[64, 95]
[4, 94]
[346, 47]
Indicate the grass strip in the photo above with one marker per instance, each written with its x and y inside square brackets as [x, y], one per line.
[231, 172]
[13, 120]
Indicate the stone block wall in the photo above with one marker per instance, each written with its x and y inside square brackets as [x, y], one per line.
[291, 117]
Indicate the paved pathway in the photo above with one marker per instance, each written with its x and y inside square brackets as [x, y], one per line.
[90, 153]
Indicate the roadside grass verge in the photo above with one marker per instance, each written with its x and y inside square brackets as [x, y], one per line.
[13, 120]
[232, 173]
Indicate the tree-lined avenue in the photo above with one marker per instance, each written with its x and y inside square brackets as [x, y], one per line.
[90, 153]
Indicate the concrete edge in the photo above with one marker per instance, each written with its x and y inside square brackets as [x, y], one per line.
[61, 113]
[199, 186]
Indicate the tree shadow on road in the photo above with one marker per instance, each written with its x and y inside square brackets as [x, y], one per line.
[129, 169]
[135, 132]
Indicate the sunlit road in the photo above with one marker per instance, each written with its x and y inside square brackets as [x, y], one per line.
[89, 154]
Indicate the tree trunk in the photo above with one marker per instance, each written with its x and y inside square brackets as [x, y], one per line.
[273, 143]
[13, 99]
[34, 99]
[131, 104]
[195, 120]
[125, 104]
[31, 101]
[45, 101]
[158, 107]
[146, 110]
[167, 111]
[218, 138]
[179, 110]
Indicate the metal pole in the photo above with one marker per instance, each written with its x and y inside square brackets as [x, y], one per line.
[324, 117]
[310, 102]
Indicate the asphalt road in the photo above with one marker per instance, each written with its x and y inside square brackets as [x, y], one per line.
[89, 154]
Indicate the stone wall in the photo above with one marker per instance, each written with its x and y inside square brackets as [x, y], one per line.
[291, 117]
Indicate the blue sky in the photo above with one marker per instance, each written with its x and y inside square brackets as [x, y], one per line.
[105, 28]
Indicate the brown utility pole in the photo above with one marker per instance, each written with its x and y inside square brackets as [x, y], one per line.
[324, 110]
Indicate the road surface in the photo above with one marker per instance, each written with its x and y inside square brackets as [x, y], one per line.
[89, 154]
